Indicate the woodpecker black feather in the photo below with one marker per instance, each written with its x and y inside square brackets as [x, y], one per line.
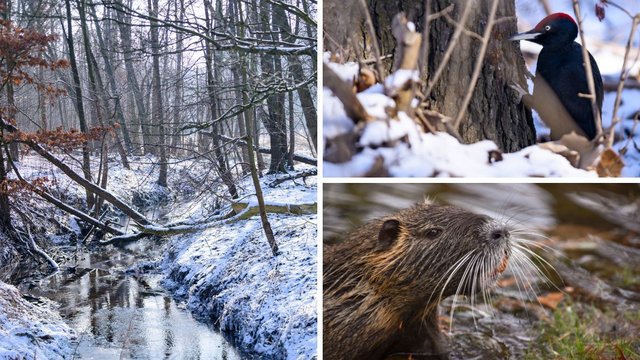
[560, 64]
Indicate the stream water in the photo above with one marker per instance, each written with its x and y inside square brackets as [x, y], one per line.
[593, 236]
[120, 311]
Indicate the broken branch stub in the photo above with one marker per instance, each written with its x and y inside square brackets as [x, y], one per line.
[343, 91]
[402, 84]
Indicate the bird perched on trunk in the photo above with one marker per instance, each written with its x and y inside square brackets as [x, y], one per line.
[561, 78]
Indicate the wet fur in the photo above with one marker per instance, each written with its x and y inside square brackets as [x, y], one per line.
[381, 299]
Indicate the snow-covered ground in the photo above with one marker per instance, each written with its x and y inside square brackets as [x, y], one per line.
[266, 304]
[416, 154]
[28, 331]
[424, 155]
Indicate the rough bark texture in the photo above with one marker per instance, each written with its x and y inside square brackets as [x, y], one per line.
[494, 112]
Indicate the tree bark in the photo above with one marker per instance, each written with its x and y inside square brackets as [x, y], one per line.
[156, 97]
[297, 72]
[124, 129]
[493, 113]
[271, 66]
[77, 87]
[124, 25]
[176, 137]
[221, 162]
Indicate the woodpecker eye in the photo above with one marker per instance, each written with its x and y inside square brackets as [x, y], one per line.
[548, 27]
[433, 233]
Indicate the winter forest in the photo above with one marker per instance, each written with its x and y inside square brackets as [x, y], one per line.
[156, 151]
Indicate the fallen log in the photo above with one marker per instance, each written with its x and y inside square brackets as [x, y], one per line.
[242, 211]
[296, 209]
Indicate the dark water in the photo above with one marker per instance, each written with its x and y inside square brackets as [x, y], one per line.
[593, 235]
[122, 312]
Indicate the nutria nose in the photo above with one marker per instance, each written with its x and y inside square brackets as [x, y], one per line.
[498, 234]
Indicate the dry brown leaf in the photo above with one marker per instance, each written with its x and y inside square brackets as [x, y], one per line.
[551, 300]
[610, 164]
[571, 155]
[366, 79]
[576, 148]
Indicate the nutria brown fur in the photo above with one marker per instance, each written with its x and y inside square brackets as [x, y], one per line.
[382, 283]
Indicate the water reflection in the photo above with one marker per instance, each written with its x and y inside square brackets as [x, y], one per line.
[121, 315]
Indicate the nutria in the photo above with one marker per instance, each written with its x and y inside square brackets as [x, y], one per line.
[383, 282]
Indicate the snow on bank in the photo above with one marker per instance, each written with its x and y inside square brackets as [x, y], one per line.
[30, 332]
[266, 304]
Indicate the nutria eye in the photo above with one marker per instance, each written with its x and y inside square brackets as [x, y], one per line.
[433, 233]
[548, 27]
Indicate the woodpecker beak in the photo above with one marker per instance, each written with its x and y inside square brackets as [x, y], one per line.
[529, 35]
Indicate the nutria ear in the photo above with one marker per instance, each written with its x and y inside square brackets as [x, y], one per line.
[389, 233]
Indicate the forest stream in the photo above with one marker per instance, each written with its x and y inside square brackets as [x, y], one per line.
[587, 303]
[112, 297]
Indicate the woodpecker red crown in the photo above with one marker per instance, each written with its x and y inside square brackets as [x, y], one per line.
[553, 17]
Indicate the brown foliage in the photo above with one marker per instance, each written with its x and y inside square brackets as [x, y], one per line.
[23, 188]
[22, 50]
[65, 141]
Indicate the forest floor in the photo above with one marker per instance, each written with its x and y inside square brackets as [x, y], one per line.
[265, 305]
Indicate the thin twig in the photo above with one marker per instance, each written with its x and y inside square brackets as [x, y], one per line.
[623, 77]
[545, 5]
[450, 48]
[423, 60]
[588, 71]
[479, 62]
[609, 2]
[374, 39]
[633, 131]
[466, 31]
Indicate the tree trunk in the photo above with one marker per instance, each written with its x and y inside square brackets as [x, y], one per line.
[275, 120]
[124, 25]
[5, 209]
[494, 112]
[266, 226]
[238, 27]
[176, 137]
[86, 160]
[114, 90]
[297, 72]
[156, 90]
[221, 162]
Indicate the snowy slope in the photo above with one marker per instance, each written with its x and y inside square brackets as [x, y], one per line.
[266, 304]
[31, 332]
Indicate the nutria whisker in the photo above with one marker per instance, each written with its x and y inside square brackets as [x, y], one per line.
[535, 256]
[448, 274]
[472, 264]
[384, 281]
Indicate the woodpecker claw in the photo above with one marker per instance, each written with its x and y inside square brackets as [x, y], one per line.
[519, 90]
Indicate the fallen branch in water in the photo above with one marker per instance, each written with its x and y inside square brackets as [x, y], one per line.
[241, 211]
